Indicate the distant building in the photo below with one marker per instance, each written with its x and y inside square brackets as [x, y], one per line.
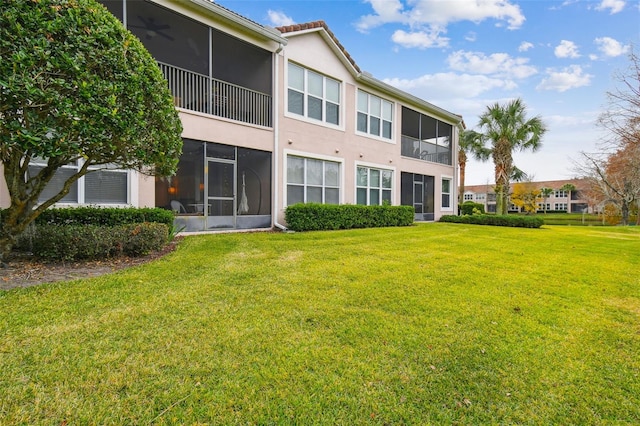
[559, 200]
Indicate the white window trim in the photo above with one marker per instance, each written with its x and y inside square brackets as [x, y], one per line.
[394, 118]
[285, 175]
[451, 191]
[374, 166]
[132, 186]
[322, 123]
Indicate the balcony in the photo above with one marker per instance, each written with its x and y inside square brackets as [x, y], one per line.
[426, 151]
[201, 93]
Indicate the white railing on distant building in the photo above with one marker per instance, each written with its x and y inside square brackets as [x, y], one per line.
[198, 92]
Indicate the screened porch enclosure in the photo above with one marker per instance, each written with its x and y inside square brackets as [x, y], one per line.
[218, 187]
[207, 70]
[418, 191]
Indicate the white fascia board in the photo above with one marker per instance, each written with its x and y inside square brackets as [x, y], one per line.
[237, 20]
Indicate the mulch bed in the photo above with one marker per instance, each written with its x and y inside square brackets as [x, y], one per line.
[24, 270]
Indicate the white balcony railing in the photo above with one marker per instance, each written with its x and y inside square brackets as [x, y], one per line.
[198, 92]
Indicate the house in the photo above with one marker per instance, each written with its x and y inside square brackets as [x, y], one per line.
[274, 117]
[559, 199]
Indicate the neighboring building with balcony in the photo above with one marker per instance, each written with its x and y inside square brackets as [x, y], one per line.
[273, 117]
[559, 200]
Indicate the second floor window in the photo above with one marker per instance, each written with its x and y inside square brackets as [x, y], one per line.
[375, 115]
[313, 95]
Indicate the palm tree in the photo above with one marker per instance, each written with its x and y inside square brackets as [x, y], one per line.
[546, 193]
[471, 142]
[568, 188]
[508, 129]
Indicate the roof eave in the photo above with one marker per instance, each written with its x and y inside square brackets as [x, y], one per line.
[409, 98]
[234, 19]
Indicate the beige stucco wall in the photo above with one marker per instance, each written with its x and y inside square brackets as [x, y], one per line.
[308, 138]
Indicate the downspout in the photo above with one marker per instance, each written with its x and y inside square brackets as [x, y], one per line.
[276, 138]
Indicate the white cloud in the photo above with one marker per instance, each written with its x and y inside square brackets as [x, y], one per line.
[610, 47]
[429, 12]
[428, 19]
[614, 6]
[419, 39]
[450, 85]
[568, 78]
[524, 46]
[471, 36]
[279, 19]
[495, 64]
[567, 49]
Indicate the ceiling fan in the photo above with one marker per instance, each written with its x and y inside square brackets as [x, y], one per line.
[152, 28]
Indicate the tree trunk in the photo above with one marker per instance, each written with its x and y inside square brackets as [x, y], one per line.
[462, 163]
[503, 167]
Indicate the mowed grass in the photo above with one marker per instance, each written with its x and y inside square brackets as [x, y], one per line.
[431, 324]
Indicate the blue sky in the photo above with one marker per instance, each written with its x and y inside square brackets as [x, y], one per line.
[463, 55]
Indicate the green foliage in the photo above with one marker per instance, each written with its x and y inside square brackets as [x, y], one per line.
[76, 88]
[316, 217]
[75, 242]
[496, 220]
[105, 216]
[74, 83]
[469, 207]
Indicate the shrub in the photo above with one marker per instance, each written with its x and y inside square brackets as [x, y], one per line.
[316, 217]
[496, 220]
[469, 207]
[107, 216]
[75, 242]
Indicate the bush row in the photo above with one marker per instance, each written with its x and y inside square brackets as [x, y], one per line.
[469, 207]
[316, 217]
[496, 220]
[108, 216]
[74, 242]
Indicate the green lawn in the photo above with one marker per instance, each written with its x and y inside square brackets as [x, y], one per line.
[432, 324]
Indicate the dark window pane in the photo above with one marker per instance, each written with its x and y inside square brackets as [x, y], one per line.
[375, 126]
[333, 111]
[103, 186]
[314, 194]
[55, 185]
[315, 108]
[295, 194]
[386, 129]
[362, 122]
[296, 102]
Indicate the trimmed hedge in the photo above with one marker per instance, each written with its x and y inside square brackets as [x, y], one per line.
[108, 216]
[74, 242]
[320, 217]
[468, 207]
[496, 220]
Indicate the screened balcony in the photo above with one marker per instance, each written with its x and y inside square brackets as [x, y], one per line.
[425, 138]
[207, 70]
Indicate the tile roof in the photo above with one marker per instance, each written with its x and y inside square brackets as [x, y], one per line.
[315, 25]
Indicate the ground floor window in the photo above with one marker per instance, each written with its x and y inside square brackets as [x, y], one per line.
[560, 206]
[310, 180]
[106, 185]
[468, 197]
[373, 186]
[446, 193]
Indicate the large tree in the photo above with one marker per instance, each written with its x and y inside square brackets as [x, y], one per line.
[471, 143]
[509, 129]
[75, 88]
[615, 179]
[622, 115]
